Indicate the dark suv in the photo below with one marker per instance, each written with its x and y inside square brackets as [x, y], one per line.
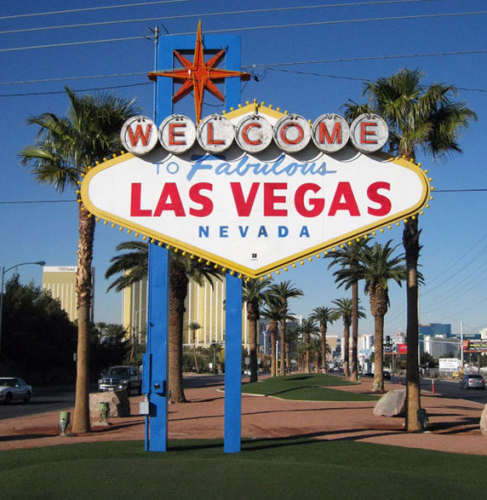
[118, 378]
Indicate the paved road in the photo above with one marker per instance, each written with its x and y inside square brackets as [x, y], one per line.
[449, 388]
[44, 399]
[47, 399]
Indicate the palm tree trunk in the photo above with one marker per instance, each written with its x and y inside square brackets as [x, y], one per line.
[273, 353]
[288, 355]
[307, 355]
[378, 353]
[353, 363]
[253, 348]
[282, 348]
[323, 347]
[413, 392]
[179, 289]
[196, 367]
[346, 351]
[81, 417]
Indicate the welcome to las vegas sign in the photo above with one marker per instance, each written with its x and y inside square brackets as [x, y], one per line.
[255, 190]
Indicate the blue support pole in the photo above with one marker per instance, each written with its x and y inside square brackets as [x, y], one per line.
[233, 365]
[155, 359]
[157, 349]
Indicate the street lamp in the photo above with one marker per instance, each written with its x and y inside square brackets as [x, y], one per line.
[3, 272]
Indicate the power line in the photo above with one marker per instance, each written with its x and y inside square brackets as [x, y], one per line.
[277, 67]
[255, 28]
[31, 202]
[344, 21]
[92, 89]
[72, 44]
[90, 9]
[205, 14]
[143, 4]
[273, 66]
[460, 190]
[62, 79]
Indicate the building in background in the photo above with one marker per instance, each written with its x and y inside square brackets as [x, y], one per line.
[61, 282]
[204, 305]
[442, 345]
[435, 329]
[134, 310]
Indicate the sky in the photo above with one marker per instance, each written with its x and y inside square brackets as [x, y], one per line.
[308, 57]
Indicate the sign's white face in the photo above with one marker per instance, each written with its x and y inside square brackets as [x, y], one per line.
[255, 212]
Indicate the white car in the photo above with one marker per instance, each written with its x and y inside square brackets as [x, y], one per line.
[14, 389]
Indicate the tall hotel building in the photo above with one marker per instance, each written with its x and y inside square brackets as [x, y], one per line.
[204, 304]
[61, 282]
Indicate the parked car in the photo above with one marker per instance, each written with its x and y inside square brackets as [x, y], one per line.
[472, 381]
[14, 389]
[118, 378]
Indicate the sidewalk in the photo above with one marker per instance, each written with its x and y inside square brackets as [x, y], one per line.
[454, 424]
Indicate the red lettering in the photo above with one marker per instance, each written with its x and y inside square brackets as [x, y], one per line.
[170, 201]
[364, 133]
[376, 197]
[173, 134]
[245, 132]
[135, 210]
[271, 199]
[244, 206]
[317, 204]
[325, 137]
[204, 201]
[140, 134]
[210, 136]
[344, 190]
[284, 130]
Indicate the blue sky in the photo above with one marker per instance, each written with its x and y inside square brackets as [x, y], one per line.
[307, 60]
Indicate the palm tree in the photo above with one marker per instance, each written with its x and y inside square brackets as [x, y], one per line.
[344, 309]
[309, 330]
[66, 146]
[377, 266]
[346, 257]
[419, 117]
[182, 269]
[283, 292]
[194, 326]
[253, 294]
[322, 315]
[132, 266]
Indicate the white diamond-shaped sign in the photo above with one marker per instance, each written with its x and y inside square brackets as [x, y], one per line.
[255, 212]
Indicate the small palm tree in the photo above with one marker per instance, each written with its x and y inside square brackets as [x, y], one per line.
[272, 312]
[253, 295]
[283, 292]
[65, 148]
[344, 310]
[194, 326]
[377, 266]
[419, 117]
[131, 265]
[323, 316]
[309, 330]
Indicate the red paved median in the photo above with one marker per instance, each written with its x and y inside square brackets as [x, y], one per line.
[454, 423]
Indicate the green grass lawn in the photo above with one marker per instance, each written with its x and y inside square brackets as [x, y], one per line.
[305, 387]
[267, 469]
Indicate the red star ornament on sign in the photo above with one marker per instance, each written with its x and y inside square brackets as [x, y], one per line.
[198, 76]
